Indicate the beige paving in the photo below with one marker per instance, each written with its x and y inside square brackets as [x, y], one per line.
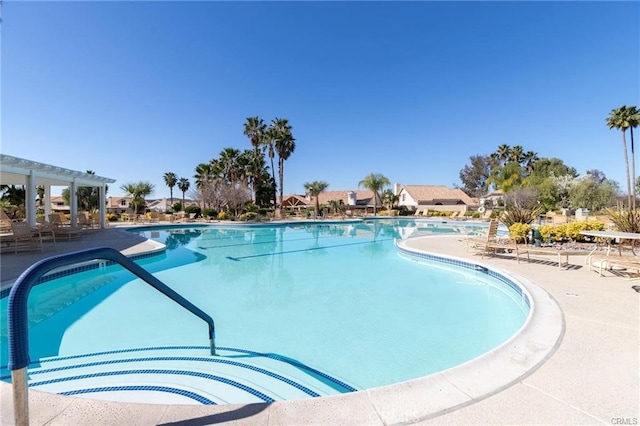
[589, 376]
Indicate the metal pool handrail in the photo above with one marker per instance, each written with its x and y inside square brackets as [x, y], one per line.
[17, 316]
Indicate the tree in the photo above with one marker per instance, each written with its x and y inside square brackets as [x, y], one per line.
[138, 191]
[270, 137]
[87, 197]
[183, 185]
[285, 146]
[621, 119]
[503, 153]
[389, 199]
[590, 193]
[375, 182]
[254, 129]
[474, 176]
[314, 189]
[170, 179]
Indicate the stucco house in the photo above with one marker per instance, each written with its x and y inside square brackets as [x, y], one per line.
[423, 198]
[354, 201]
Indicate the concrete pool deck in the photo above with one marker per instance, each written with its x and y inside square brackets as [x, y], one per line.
[590, 377]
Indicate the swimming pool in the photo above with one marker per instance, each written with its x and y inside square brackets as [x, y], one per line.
[331, 308]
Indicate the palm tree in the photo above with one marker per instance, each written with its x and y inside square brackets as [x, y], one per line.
[183, 185]
[270, 137]
[285, 145]
[375, 182]
[516, 154]
[254, 129]
[40, 192]
[138, 191]
[314, 189]
[170, 179]
[228, 162]
[529, 160]
[634, 121]
[503, 153]
[619, 119]
[389, 198]
[204, 174]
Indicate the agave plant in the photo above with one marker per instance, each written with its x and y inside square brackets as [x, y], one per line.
[521, 206]
[625, 220]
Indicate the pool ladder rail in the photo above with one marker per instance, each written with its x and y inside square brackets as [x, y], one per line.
[17, 315]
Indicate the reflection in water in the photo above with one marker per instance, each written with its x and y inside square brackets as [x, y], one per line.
[180, 237]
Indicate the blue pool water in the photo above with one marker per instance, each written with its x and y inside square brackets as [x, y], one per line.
[335, 297]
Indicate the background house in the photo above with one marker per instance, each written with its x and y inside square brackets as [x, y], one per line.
[423, 198]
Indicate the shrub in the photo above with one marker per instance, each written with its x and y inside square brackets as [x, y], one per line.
[519, 232]
[209, 213]
[248, 216]
[193, 209]
[111, 217]
[250, 207]
[223, 216]
[625, 220]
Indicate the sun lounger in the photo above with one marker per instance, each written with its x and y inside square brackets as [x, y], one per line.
[613, 262]
[486, 244]
[549, 251]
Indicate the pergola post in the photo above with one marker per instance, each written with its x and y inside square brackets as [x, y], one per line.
[73, 201]
[30, 199]
[102, 202]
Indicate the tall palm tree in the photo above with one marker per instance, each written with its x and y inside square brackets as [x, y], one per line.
[503, 153]
[183, 185]
[270, 137]
[516, 154]
[619, 119]
[254, 129]
[228, 162]
[138, 191]
[634, 121]
[285, 146]
[170, 179]
[204, 173]
[529, 160]
[375, 182]
[314, 189]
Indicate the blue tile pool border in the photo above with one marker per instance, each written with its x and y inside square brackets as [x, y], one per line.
[88, 266]
[459, 263]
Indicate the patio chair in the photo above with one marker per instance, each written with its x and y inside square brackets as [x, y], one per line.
[24, 236]
[59, 219]
[85, 221]
[484, 244]
[5, 222]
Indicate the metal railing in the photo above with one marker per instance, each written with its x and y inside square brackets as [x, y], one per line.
[17, 317]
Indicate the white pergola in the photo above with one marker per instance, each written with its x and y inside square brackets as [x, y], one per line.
[30, 174]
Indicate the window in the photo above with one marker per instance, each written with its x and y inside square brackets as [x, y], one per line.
[123, 203]
[403, 197]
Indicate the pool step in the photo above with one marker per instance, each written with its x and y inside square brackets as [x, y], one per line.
[182, 375]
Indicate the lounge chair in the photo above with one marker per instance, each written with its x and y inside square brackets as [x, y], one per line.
[84, 221]
[5, 222]
[23, 236]
[613, 262]
[552, 251]
[59, 219]
[485, 244]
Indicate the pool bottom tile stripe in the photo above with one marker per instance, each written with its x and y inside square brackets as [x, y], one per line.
[346, 387]
[212, 377]
[182, 358]
[167, 389]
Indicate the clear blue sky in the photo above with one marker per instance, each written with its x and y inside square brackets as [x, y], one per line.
[132, 90]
